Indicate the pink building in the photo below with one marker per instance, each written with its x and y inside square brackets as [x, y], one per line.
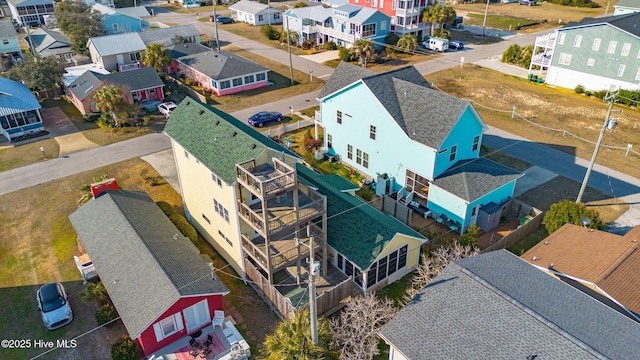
[222, 72]
[406, 15]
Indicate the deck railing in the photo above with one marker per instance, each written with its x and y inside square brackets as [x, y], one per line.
[252, 217]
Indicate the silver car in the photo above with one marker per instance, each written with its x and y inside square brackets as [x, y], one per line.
[53, 304]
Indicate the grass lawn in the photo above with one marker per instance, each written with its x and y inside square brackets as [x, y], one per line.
[530, 241]
[501, 22]
[504, 159]
[15, 157]
[204, 11]
[254, 33]
[37, 244]
[494, 94]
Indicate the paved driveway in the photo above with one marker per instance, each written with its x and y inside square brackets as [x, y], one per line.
[70, 139]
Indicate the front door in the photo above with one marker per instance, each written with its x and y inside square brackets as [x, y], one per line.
[474, 214]
[197, 315]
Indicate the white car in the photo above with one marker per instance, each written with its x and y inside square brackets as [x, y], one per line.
[166, 108]
[53, 303]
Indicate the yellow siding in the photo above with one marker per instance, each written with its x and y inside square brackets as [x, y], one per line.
[198, 191]
[413, 249]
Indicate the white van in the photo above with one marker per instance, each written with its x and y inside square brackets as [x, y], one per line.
[437, 44]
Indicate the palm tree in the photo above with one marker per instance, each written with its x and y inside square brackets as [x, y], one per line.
[110, 99]
[363, 49]
[438, 14]
[407, 43]
[294, 37]
[156, 56]
[292, 339]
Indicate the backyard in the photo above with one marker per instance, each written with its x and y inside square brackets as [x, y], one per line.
[37, 245]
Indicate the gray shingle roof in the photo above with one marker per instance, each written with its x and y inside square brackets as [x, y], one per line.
[221, 65]
[345, 74]
[472, 179]
[143, 265]
[7, 30]
[16, 97]
[180, 50]
[208, 134]
[626, 22]
[138, 79]
[45, 39]
[497, 306]
[86, 84]
[117, 44]
[167, 36]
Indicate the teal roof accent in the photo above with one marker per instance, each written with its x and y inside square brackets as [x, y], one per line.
[217, 139]
[354, 228]
[340, 183]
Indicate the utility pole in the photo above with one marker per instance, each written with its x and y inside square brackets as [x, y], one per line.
[215, 25]
[269, 11]
[612, 99]
[484, 22]
[288, 34]
[314, 270]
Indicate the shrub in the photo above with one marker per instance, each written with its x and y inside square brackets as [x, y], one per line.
[576, 3]
[184, 226]
[518, 55]
[270, 32]
[391, 39]
[97, 292]
[93, 117]
[344, 54]
[105, 314]
[300, 4]
[600, 94]
[442, 33]
[166, 207]
[124, 349]
[579, 89]
[308, 44]
[570, 212]
[330, 45]
[312, 51]
[588, 92]
[471, 236]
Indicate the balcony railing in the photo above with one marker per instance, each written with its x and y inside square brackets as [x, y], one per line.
[409, 11]
[252, 218]
[548, 40]
[318, 117]
[244, 173]
[310, 29]
[347, 36]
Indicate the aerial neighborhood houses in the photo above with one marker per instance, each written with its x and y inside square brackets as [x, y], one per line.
[343, 25]
[120, 20]
[10, 50]
[51, 43]
[19, 110]
[596, 54]
[405, 15]
[255, 13]
[31, 12]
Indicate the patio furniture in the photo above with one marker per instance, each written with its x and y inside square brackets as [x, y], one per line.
[192, 342]
[440, 220]
[209, 340]
[218, 318]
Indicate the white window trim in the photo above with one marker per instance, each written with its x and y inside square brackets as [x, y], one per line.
[577, 41]
[158, 329]
[596, 44]
[626, 48]
[199, 322]
[591, 61]
[621, 69]
[611, 49]
[638, 75]
[561, 37]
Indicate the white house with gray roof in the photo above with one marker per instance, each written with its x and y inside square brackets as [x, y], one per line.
[111, 52]
[19, 110]
[255, 13]
[497, 306]
[31, 12]
[416, 142]
[51, 43]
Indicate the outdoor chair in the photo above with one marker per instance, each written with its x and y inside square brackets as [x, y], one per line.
[440, 220]
[192, 342]
[209, 340]
[218, 318]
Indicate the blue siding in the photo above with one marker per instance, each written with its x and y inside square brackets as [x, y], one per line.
[462, 135]
[124, 23]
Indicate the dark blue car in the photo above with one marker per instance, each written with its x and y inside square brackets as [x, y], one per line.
[264, 117]
[456, 45]
[224, 20]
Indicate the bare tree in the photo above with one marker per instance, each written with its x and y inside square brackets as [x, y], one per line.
[432, 264]
[356, 330]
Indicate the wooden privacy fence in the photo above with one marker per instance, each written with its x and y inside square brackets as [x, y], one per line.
[283, 304]
[520, 210]
[328, 301]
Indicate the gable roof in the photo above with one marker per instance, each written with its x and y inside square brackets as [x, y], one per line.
[344, 75]
[143, 261]
[135, 11]
[167, 36]
[504, 306]
[625, 22]
[251, 7]
[358, 14]
[607, 260]
[208, 134]
[360, 232]
[138, 79]
[474, 178]
[50, 42]
[220, 65]
[7, 30]
[180, 50]
[15, 98]
[316, 13]
[117, 44]
[86, 84]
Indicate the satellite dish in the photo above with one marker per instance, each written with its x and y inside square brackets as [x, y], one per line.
[585, 222]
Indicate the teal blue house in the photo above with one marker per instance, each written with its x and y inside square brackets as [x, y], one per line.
[117, 21]
[416, 144]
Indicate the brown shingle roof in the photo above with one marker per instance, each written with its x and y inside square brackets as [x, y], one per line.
[610, 261]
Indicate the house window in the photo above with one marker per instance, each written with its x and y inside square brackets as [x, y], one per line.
[167, 326]
[476, 142]
[621, 70]
[368, 30]
[612, 47]
[340, 262]
[638, 75]
[393, 4]
[134, 56]
[371, 275]
[577, 41]
[5, 41]
[374, 3]
[186, 154]
[276, 15]
[625, 49]
[561, 37]
[359, 156]
[261, 77]
[237, 82]
[382, 268]
[402, 257]
[349, 152]
[225, 84]
[214, 84]
[216, 179]
[393, 262]
[399, 20]
[591, 61]
[220, 210]
[452, 152]
[197, 315]
[381, 4]
[115, 28]
[249, 79]
[365, 160]
[260, 18]
[383, 25]
[372, 132]
[225, 238]
[329, 141]
[565, 59]
[596, 44]
[206, 219]
[357, 276]
[474, 210]
[339, 116]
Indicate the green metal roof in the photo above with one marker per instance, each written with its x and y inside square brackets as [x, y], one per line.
[340, 183]
[355, 229]
[217, 139]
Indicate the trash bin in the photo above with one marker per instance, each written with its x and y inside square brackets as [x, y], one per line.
[211, 17]
[534, 78]
[540, 79]
[529, 76]
[366, 184]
